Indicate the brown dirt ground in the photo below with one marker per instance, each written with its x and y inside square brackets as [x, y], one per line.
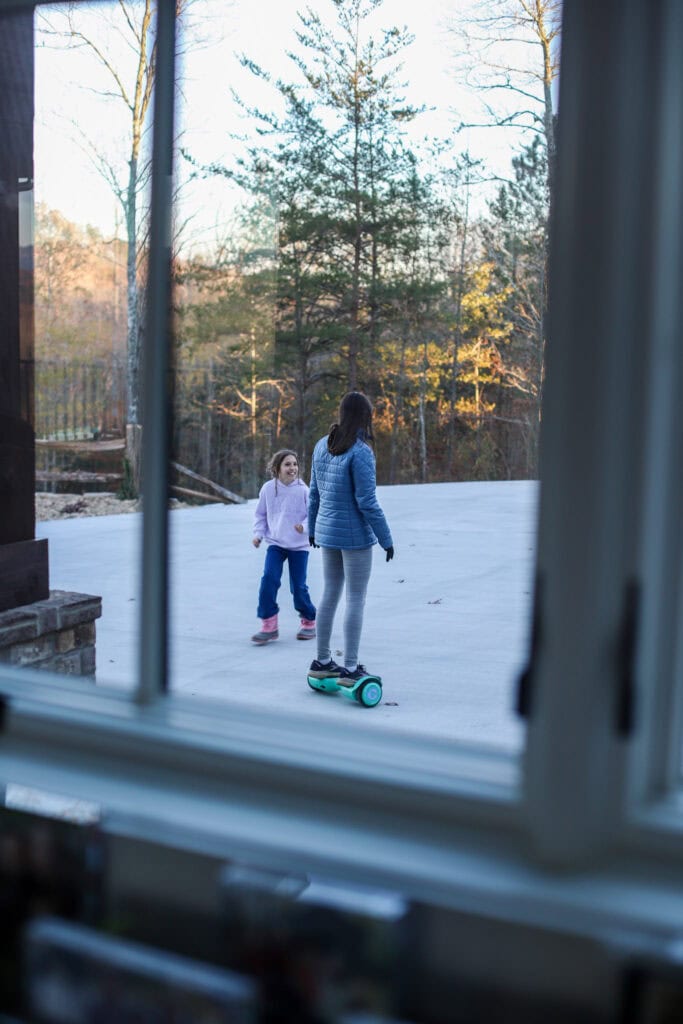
[71, 506]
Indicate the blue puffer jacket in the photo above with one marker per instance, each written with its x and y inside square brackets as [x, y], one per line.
[343, 511]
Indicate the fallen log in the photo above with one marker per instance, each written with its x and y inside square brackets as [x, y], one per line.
[76, 476]
[114, 444]
[201, 495]
[226, 495]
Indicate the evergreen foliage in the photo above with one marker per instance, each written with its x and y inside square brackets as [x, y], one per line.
[355, 262]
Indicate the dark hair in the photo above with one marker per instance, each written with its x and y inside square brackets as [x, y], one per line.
[355, 417]
[276, 461]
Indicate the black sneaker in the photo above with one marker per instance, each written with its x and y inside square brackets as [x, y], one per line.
[318, 670]
[348, 678]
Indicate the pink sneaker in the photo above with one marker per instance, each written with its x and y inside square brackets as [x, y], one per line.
[306, 630]
[267, 632]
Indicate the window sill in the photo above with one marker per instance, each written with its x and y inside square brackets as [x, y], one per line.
[436, 822]
[219, 778]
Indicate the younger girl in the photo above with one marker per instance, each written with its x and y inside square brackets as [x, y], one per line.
[279, 520]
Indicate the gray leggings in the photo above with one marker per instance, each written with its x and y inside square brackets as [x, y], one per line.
[339, 567]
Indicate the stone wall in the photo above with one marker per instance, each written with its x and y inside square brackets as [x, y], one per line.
[57, 634]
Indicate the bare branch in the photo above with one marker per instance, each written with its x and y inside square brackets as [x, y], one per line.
[129, 20]
[86, 41]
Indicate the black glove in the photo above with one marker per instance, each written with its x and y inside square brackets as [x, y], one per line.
[311, 541]
[390, 554]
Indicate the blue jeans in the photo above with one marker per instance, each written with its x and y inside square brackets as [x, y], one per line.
[272, 577]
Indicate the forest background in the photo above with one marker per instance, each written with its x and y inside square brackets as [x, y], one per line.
[359, 251]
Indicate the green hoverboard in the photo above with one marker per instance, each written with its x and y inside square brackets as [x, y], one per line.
[367, 690]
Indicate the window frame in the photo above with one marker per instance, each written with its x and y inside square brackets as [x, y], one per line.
[593, 785]
[602, 773]
[657, 757]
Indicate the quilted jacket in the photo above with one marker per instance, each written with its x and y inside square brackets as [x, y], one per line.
[343, 511]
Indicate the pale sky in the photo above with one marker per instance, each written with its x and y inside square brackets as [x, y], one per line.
[66, 180]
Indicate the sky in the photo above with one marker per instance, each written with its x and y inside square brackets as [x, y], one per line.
[446, 622]
[69, 111]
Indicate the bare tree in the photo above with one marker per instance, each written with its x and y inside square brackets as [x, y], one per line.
[120, 40]
[508, 52]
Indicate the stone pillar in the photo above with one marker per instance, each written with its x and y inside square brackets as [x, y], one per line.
[57, 634]
[37, 628]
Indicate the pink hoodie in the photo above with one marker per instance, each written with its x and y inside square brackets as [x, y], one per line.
[280, 508]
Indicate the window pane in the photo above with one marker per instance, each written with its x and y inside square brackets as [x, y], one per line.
[407, 275]
[323, 247]
[92, 147]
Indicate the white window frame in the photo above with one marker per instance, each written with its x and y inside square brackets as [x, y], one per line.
[594, 801]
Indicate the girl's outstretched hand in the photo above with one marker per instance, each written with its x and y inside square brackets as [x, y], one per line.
[390, 554]
[299, 527]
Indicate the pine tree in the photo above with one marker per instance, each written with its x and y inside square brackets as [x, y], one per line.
[334, 162]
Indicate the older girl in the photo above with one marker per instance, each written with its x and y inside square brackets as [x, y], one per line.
[346, 521]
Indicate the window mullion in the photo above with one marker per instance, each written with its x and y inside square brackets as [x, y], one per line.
[657, 760]
[157, 374]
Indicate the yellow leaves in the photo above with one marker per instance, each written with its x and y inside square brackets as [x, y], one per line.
[413, 363]
[459, 362]
[483, 309]
[470, 407]
[483, 326]
[479, 362]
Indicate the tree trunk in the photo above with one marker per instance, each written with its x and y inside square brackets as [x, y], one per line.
[398, 408]
[355, 298]
[423, 428]
[134, 455]
[253, 432]
[358, 238]
[457, 337]
[133, 428]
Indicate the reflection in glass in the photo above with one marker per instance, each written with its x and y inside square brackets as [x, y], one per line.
[94, 86]
[23, 559]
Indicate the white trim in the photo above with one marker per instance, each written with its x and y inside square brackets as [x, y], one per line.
[179, 776]
[592, 449]
[276, 755]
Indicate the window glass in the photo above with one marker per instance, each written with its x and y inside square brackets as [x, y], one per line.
[92, 134]
[333, 236]
[326, 238]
